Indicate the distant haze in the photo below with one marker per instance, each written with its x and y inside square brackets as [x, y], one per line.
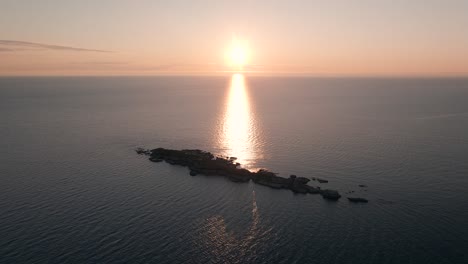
[319, 38]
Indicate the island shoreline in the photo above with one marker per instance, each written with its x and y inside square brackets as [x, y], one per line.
[206, 163]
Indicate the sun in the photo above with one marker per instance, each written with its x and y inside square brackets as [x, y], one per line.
[238, 54]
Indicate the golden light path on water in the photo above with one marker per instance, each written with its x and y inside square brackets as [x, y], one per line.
[238, 135]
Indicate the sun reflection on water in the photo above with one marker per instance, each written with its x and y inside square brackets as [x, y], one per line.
[238, 131]
[222, 243]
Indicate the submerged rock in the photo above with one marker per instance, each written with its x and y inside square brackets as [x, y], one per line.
[357, 200]
[142, 151]
[330, 194]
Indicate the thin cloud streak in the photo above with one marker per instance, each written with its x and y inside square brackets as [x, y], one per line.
[16, 43]
[6, 50]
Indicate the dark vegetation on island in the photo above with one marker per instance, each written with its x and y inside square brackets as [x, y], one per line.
[205, 163]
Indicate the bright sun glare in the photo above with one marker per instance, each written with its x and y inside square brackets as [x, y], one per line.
[238, 53]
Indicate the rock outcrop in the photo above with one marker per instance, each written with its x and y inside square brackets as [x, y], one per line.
[319, 180]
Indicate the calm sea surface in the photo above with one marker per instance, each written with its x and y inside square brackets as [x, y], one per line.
[72, 189]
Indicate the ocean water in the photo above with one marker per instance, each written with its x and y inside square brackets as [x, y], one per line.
[74, 191]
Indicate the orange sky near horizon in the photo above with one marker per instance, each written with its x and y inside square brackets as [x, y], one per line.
[316, 38]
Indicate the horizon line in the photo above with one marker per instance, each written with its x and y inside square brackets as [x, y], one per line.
[256, 74]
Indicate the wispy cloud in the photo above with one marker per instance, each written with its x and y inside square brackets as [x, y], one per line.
[100, 63]
[6, 50]
[12, 45]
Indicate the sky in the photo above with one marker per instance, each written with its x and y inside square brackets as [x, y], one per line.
[309, 37]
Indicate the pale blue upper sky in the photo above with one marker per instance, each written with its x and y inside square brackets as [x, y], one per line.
[351, 37]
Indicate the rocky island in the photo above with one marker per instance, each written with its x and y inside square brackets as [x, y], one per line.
[205, 163]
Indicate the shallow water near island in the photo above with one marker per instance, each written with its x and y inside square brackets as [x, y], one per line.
[74, 191]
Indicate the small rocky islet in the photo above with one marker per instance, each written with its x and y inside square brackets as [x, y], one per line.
[205, 163]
